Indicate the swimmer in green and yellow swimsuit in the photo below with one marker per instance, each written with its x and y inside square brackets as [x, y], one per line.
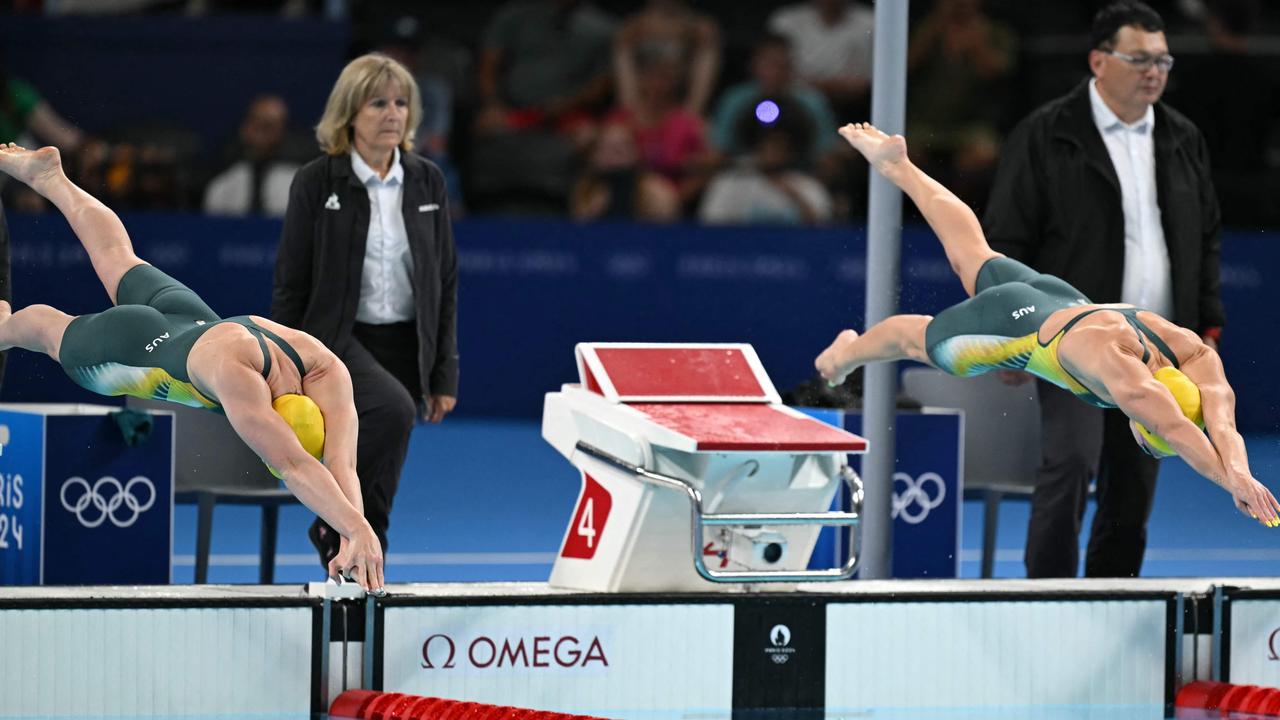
[140, 347]
[1018, 319]
[279, 387]
[999, 327]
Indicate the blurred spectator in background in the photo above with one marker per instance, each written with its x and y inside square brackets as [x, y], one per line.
[28, 119]
[772, 78]
[367, 265]
[258, 182]
[405, 42]
[831, 42]
[671, 29]
[957, 62]
[1233, 97]
[161, 179]
[543, 80]
[616, 187]
[25, 115]
[672, 138]
[767, 187]
[141, 166]
[284, 8]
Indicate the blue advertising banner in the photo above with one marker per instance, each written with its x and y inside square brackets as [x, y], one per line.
[928, 492]
[108, 506]
[543, 285]
[21, 457]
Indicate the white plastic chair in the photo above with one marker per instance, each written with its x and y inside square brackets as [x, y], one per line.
[213, 465]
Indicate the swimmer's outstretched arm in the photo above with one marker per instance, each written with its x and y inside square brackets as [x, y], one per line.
[328, 383]
[1141, 397]
[900, 337]
[247, 402]
[1218, 403]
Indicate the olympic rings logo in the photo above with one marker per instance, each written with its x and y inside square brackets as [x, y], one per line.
[92, 505]
[913, 504]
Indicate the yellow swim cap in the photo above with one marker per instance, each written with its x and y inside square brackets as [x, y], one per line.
[1187, 396]
[304, 416]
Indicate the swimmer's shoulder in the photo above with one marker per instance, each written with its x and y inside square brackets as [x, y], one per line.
[1095, 331]
[1184, 343]
[314, 353]
[283, 331]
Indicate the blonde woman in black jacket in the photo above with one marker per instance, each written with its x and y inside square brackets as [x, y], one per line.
[367, 265]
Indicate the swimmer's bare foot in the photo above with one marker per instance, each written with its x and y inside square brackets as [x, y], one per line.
[883, 151]
[33, 167]
[828, 363]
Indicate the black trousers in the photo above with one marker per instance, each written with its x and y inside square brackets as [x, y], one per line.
[1079, 442]
[383, 362]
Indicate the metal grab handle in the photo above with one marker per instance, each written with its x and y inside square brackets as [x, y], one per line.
[843, 519]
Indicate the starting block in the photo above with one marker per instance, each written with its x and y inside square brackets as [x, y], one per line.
[694, 474]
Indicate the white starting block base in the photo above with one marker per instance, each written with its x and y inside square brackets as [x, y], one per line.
[693, 473]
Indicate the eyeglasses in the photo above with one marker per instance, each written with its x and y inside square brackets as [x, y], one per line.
[1143, 63]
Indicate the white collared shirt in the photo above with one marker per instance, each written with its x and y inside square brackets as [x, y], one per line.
[386, 288]
[1147, 282]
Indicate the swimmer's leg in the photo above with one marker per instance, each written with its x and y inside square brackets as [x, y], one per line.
[97, 227]
[952, 221]
[901, 337]
[38, 328]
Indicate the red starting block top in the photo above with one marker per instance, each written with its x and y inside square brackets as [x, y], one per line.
[625, 372]
[747, 427]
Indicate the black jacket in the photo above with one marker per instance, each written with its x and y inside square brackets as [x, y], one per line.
[321, 259]
[1056, 206]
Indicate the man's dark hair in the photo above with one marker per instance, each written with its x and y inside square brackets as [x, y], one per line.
[1111, 18]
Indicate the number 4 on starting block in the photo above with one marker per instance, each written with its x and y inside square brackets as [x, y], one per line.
[589, 520]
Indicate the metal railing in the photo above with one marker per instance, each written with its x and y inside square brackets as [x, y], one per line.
[702, 520]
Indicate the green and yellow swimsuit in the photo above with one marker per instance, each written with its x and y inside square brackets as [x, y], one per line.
[999, 327]
[140, 347]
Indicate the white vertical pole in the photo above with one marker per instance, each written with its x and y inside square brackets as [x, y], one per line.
[884, 235]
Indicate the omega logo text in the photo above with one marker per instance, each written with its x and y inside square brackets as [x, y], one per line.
[440, 651]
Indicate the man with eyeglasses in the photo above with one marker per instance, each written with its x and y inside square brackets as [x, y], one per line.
[1109, 189]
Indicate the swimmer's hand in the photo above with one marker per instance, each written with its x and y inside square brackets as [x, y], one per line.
[829, 365]
[1254, 499]
[359, 560]
[348, 575]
